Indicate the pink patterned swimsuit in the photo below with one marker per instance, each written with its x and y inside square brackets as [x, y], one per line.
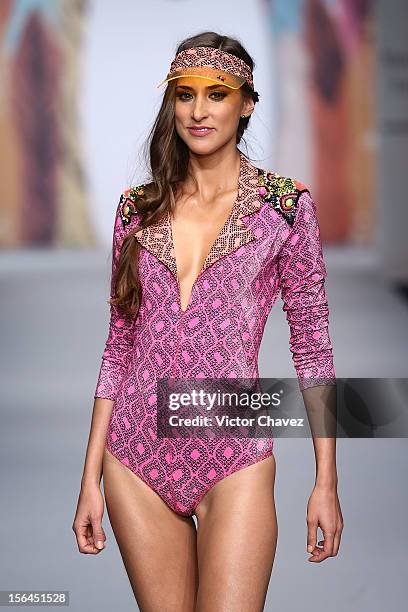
[269, 245]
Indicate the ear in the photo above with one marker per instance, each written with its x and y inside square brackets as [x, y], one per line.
[247, 107]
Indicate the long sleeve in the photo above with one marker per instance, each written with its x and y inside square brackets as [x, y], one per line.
[119, 343]
[302, 274]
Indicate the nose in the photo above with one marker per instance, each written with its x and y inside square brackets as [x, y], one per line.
[199, 108]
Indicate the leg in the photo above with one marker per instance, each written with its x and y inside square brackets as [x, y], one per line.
[236, 540]
[158, 546]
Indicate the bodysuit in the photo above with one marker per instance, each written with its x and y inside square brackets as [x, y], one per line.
[269, 246]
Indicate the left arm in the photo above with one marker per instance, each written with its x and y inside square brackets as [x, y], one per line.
[302, 274]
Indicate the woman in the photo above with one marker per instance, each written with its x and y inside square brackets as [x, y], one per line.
[199, 256]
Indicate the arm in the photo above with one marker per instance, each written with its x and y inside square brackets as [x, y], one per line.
[302, 275]
[119, 343]
[114, 363]
[115, 359]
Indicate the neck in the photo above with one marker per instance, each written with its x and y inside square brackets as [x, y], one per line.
[213, 174]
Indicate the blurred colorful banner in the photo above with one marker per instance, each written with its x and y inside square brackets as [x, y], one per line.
[324, 60]
[43, 187]
[324, 97]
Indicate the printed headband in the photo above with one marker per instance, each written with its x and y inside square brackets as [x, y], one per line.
[210, 63]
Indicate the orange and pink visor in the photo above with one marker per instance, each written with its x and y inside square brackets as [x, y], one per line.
[212, 64]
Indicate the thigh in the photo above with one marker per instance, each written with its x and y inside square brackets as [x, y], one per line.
[236, 540]
[158, 546]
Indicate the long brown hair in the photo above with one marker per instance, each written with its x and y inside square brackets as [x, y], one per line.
[168, 158]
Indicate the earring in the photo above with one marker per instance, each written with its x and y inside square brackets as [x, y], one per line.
[243, 116]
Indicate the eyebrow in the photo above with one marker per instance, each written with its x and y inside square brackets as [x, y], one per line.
[209, 86]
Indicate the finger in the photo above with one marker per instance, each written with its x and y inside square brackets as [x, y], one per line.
[82, 541]
[84, 546]
[327, 546]
[311, 535]
[89, 537]
[336, 544]
[328, 543]
[98, 534]
[316, 554]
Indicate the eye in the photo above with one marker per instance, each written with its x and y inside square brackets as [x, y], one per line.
[219, 95]
[181, 94]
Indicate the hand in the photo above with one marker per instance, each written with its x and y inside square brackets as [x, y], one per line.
[323, 510]
[87, 524]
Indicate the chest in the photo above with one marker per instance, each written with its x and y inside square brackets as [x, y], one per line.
[223, 253]
[236, 272]
[195, 228]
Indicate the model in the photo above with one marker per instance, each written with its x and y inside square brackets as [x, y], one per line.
[200, 254]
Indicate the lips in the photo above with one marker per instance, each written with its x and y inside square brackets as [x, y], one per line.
[200, 131]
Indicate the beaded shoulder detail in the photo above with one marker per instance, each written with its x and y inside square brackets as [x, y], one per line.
[128, 203]
[281, 192]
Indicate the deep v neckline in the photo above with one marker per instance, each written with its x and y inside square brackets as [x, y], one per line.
[210, 250]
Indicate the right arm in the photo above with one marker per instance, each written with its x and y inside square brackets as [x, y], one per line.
[115, 358]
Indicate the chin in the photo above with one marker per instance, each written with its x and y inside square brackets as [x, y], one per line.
[204, 148]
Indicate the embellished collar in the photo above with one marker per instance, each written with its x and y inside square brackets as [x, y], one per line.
[255, 186]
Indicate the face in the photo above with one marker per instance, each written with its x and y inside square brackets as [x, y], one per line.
[203, 103]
